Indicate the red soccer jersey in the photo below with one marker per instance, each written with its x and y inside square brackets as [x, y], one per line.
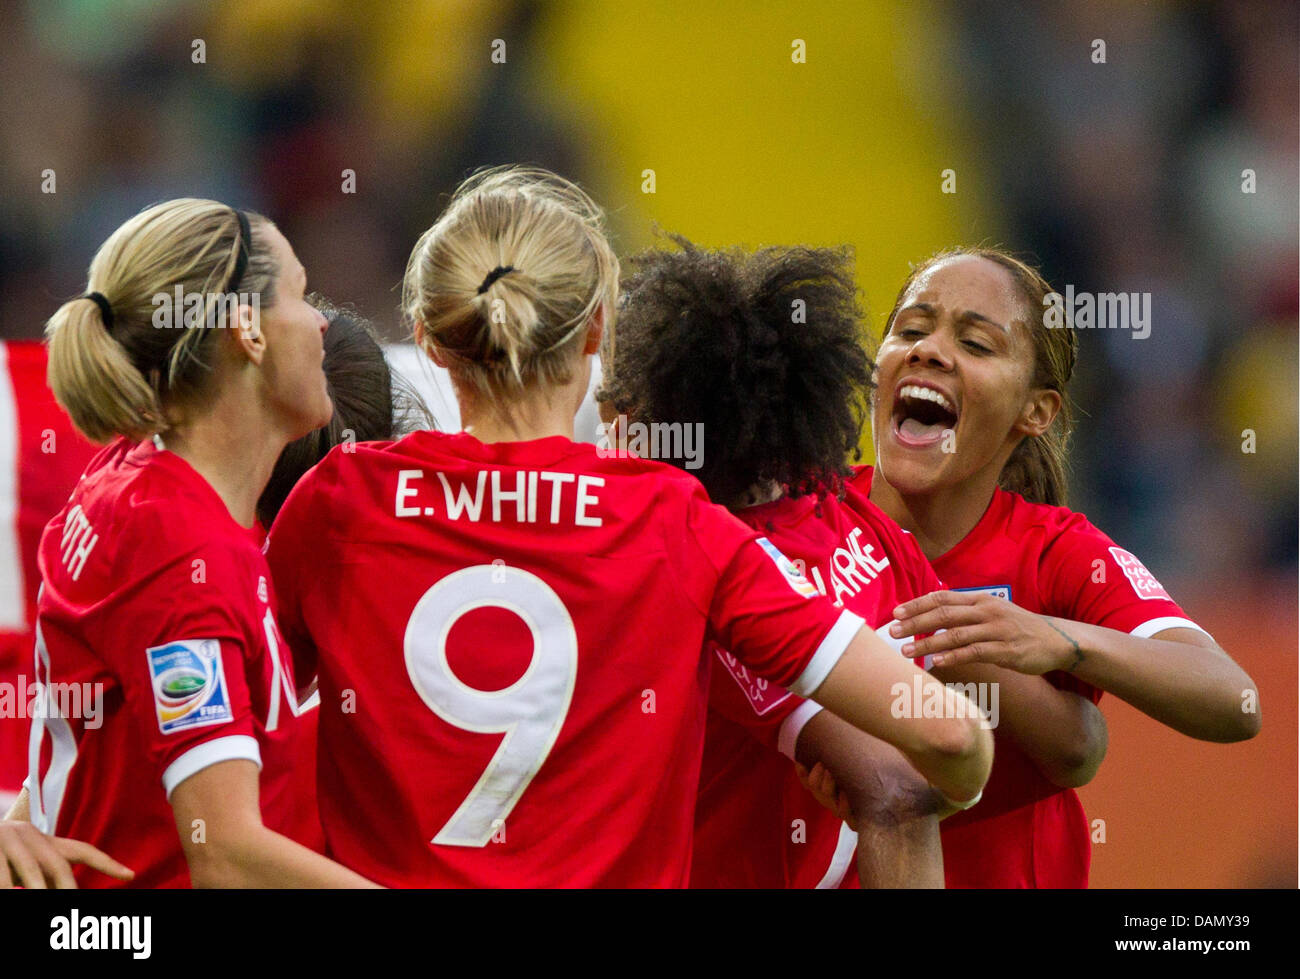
[41, 456]
[1026, 831]
[755, 823]
[509, 639]
[160, 656]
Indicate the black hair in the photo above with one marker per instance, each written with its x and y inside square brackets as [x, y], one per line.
[369, 404]
[767, 349]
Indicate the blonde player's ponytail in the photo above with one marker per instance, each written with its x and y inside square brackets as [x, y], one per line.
[118, 368]
[505, 283]
[94, 380]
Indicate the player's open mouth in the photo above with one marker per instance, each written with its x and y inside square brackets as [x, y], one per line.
[922, 415]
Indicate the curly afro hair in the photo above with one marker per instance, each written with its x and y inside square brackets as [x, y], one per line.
[767, 349]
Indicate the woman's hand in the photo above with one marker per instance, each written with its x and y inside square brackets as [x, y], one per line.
[976, 627]
[821, 783]
[29, 858]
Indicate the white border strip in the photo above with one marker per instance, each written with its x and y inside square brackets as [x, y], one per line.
[828, 654]
[1148, 629]
[230, 748]
[840, 861]
[788, 736]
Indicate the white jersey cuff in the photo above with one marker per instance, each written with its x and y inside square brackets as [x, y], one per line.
[230, 748]
[788, 736]
[1148, 629]
[828, 654]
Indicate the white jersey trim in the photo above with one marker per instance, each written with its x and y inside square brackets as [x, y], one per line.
[1148, 629]
[840, 860]
[828, 654]
[13, 606]
[788, 736]
[230, 748]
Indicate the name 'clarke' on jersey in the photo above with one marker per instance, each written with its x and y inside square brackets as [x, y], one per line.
[509, 638]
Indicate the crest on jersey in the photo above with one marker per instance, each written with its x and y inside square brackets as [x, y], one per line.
[1142, 580]
[189, 684]
[762, 694]
[792, 574]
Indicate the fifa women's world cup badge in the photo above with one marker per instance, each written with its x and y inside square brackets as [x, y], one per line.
[189, 684]
[792, 574]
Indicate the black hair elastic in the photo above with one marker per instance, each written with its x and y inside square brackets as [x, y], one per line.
[492, 276]
[244, 243]
[105, 309]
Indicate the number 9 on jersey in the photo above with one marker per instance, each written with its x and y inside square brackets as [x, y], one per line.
[530, 712]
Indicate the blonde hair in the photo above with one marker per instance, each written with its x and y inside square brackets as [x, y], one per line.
[507, 279]
[131, 378]
[1038, 467]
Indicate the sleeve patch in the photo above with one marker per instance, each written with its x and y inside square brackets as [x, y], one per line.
[1142, 580]
[189, 684]
[762, 694]
[793, 576]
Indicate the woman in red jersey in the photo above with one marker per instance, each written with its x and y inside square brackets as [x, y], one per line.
[971, 420]
[508, 625]
[708, 339]
[167, 685]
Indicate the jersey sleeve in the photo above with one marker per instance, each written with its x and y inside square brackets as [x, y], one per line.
[180, 654]
[1088, 578]
[762, 609]
[769, 712]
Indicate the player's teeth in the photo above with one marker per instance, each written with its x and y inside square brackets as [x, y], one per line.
[926, 394]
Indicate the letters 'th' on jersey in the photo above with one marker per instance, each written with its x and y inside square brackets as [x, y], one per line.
[756, 825]
[509, 639]
[41, 456]
[158, 655]
[1026, 831]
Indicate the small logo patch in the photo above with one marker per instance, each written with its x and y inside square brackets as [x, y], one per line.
[762, 694]
[793, 575]
[1142, 580]
[997, 591]
[189, 684]
[262, 595]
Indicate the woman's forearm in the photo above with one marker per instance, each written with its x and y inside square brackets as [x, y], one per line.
[226, 844]
[253, 856]
[1180, 678]
[1062, 733]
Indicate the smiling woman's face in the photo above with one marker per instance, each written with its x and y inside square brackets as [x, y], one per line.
[953, 377]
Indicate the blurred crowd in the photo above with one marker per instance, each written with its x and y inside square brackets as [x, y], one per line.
[1128, 176]
[1123, 176]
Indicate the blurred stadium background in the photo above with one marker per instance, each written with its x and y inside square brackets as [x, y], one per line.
[1123, 176]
